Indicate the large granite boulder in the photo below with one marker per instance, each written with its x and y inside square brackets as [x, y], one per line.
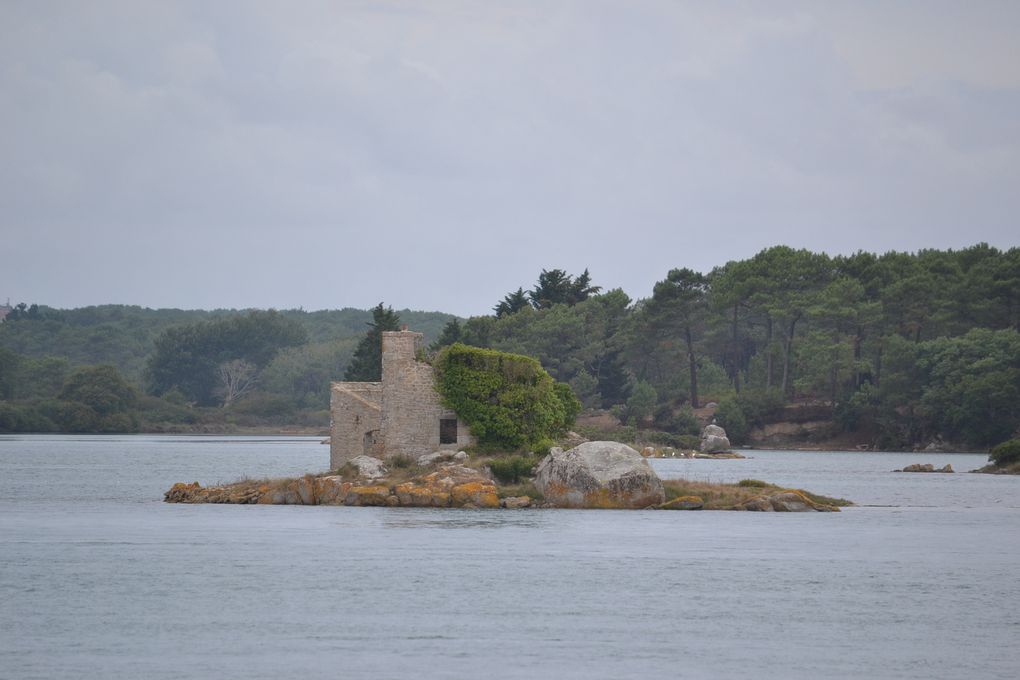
[598, 475]
[714, 439]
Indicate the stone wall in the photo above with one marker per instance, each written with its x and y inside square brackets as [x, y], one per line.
[399, 416]
[411, 407]
[355, 421]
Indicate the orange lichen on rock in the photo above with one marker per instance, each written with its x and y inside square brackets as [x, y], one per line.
[480, 494]
[372, 495]
[182, 493]
[789, 500]
[684, 503]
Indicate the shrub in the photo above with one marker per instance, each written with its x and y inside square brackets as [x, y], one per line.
[402, 461]
[1006, 453]
[738, 414]
[507, 400]
[511, 470]
[678, 422]
[262, 405]
[731, 418]
[23, 418]
[752, 483]
[688, 441]
[641, 402]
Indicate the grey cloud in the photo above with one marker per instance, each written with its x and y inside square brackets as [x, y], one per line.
[196, 154]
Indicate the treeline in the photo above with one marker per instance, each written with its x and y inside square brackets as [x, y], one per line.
[186, 370]
[896, 349]
[899, 348]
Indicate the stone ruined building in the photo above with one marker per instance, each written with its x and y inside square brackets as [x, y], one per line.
[400, 416]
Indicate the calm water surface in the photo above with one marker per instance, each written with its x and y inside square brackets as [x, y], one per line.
[99, 579]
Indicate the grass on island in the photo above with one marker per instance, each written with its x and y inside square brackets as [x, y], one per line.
[726, 496]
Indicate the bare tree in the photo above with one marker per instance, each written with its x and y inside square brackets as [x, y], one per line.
[237, 378]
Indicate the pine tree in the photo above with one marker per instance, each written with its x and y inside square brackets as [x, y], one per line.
[512, 303]
[451, 333]
[366, 365]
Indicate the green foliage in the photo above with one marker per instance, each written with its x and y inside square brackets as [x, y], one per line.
[586, 387]
[901, 347]
[24, 418]
[680, 421]
[675, 320]
[187, 357]
[1006, 453]
[452, 333]
[569, 401]
[264, 406]
[101, 388]
[731, 418]
[123, 335]
[366, 366]
[511, 303]
[641, 403]
[303, 374]
[156, 412]
[512, 469]
[972, 385]
[9, 364]
[740, 413]
[640, 438]
[554, 287]
[753, 483]
[507, 400]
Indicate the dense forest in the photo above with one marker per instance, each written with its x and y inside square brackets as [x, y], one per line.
[892, 350]
[183, 369]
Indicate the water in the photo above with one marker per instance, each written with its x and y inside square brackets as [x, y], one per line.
[99, 579]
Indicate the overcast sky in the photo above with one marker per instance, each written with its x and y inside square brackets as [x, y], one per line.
[436, 155]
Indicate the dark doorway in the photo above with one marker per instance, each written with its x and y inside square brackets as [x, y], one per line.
[447, 430]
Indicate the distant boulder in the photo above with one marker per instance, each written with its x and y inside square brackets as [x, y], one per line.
[786, 501]
[926, 467]
[598, 475]
[714, 439]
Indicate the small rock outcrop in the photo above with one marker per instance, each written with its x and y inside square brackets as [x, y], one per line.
[786, 501]
[926, 467]
[450, 486]
[714, 439]
[598, 475]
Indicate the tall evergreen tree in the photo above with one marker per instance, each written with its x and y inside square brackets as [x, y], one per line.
[678, 308]
[581, 289]
[366, 366]
[451, 333]
[512, 303]
[554, 286]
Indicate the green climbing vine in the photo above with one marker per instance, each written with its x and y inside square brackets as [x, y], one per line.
[507, 400]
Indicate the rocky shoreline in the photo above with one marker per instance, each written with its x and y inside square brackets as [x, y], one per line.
[605, 475]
